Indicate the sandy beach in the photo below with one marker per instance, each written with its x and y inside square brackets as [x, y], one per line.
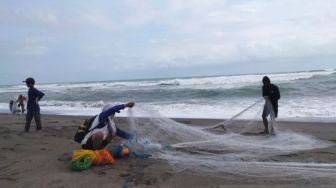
[43, 159]
[182, 94]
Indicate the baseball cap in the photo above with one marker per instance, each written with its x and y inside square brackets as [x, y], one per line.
[29, 80]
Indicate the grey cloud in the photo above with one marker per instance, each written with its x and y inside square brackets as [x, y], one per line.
[116, 39]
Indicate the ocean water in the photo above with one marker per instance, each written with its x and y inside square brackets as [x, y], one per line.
[309, 95]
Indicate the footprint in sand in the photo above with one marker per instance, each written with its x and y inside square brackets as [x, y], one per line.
[167, 175]
[101, 173]
[65, 157]
[7, 179]
[56, 182]
[45, 149]
[148, 182]
[8, 149]
[325, 152]
[124, 175]
[6, 137]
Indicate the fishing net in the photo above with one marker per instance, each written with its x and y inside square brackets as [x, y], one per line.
[233, 146]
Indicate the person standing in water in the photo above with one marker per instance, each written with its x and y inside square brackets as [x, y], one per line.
[11, 103]
[271, 94]
[33, 108]
[21, 100]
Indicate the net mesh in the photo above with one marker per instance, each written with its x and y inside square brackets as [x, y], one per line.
[232, 146]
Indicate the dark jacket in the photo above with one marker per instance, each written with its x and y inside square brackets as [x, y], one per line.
[103, 117]
[273, 93]
[33, 95]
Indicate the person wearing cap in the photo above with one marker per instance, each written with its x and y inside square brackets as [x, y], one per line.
[103, 128]
[271, 94]
[33, 108]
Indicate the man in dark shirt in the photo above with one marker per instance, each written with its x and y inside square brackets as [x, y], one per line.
[33, 108]
[271, 94]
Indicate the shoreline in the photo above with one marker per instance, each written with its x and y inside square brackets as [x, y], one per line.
[303, 120]
[43, 159]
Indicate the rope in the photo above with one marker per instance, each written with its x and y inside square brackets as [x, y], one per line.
[82, 163]
[80, 152]
[225, 122]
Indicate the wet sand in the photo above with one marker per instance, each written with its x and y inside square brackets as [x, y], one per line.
[43, 159]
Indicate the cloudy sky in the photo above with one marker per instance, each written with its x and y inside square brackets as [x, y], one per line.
[79, 40]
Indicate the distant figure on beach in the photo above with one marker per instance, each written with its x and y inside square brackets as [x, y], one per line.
[21, 100]
[271, 94]
[33, 108]
[101, 128]
[11, 103]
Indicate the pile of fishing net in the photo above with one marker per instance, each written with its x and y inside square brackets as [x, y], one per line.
[84, 159]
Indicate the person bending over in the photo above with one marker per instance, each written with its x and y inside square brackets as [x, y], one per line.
[103, 129]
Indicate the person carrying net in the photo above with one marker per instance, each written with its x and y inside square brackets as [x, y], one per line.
[271, 94]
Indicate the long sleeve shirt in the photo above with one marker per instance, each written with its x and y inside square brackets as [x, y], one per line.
[103, 116]
[106, 125]
[34, 95]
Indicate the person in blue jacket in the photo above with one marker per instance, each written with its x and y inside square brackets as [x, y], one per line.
[103, 128]
[33, 108]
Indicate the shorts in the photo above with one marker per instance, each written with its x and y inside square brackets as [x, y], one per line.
[267, 111]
